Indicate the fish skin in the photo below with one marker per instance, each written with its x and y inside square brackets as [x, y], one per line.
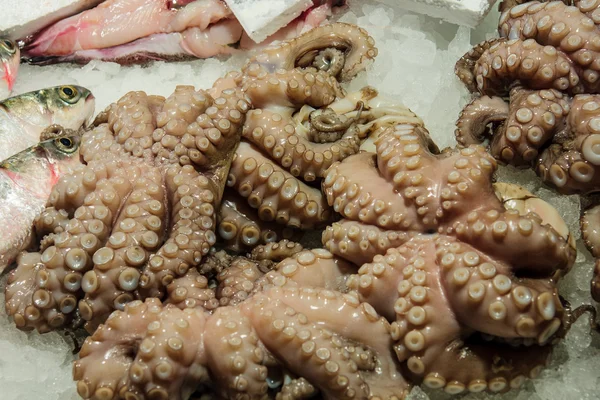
[26, 181]
[10, 58]
[23, 118]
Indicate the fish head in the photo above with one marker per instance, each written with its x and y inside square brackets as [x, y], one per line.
[62, 153]
[10, 56]
[70, 106]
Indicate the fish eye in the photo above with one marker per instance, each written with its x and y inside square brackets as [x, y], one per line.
[65, 144]
[70, 94]
[9, 45]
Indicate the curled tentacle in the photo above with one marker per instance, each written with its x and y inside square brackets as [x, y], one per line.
[358, 48]
[474, 119]
[535, 117]
[531, 63]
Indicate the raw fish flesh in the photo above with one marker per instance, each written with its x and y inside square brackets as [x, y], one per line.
[9, 66]
[23, 118]
[26, 180]
[133, 31]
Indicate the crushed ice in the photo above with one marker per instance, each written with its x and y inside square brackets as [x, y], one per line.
[416, 65]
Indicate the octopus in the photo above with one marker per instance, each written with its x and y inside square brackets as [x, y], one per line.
[538, 98]
[538, 89]
[429, 272]
[142, 210]
[465, 314]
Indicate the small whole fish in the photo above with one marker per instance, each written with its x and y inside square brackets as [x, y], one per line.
[23, 118]
[26, 180]
[10, 58]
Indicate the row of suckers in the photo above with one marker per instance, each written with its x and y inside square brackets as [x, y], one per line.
[40, 134]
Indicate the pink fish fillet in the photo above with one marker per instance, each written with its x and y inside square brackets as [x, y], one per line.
[200, 29]
[116, 22]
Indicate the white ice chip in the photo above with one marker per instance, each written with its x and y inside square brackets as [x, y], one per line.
[22, 18]
[262, 18]
[461, 12]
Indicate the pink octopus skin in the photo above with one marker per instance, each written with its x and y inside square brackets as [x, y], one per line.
[165, 352]
[122, 239]
[547, 61]
[461, 264]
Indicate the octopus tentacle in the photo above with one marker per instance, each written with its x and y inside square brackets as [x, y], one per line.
[589, 231]
[211, 139]
[550, 24]
[487, 298]
[132, 117]
[137, 231]
[237, 282]
[571, 166]
[358, 47]
[58, 271]
[276, 251]
[169, 358]
[235, 355]
[355, 189]
[179, 124]
[296, 389]
[476, 116]
[534, 118]
[277, 136]
[240, 227]
[321, 346]
[311, 268]
[465, 66]
[425, 329]
[547, 252]
[192, 291]
[276, 194]
[293, 88]
[534, 65]
[192, 233]
[360, 242]
[49, 223]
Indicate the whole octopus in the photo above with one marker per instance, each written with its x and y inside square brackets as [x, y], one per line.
[538, 89]
[429, 272]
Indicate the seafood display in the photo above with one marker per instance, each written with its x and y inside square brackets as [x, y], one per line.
[26, 180]
[25, 118]
[9, 65]
[432, 275]
[128, 31]
[286, 229]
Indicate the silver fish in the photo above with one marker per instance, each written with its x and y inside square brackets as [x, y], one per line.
[26, 180]
[23, 118]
